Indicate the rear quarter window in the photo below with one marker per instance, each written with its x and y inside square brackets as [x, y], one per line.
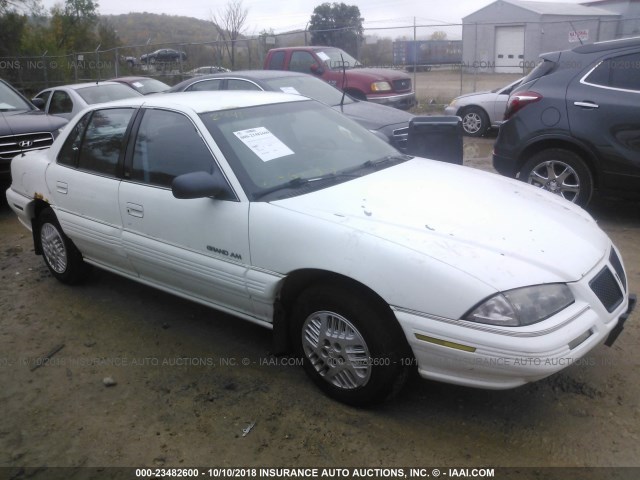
[622, 72]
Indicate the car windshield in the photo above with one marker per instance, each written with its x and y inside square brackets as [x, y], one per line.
[10, 100]
[294, 143]
[309, 87]
[105, 93]
[334, 58]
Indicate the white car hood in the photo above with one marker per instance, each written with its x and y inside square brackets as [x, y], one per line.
[502, 231]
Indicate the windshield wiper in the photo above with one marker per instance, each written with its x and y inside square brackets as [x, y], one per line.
[387, 160]
[298, 182]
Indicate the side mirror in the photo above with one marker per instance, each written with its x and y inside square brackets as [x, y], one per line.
[38, 102]
[316, 69]
[200, 185]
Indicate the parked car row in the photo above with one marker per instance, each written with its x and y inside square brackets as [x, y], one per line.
[338, 241]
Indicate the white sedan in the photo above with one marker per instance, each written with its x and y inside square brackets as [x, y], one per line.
[481, 110]
[67, 101]
[364, 262]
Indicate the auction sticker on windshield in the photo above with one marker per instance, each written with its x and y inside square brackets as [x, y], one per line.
[290, 90]
[263, 143]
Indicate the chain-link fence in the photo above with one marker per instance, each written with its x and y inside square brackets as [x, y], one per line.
[445, 60]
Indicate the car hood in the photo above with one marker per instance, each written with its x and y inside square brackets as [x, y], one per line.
[478, 95]
[374, 116]
[504, 232]
[19, 122]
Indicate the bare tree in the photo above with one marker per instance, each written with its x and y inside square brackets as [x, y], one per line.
[229, 22]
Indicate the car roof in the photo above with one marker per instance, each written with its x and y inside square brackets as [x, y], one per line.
[129, 79]
[256, 75]
[78, 86]
[201, 102]
[608, 45]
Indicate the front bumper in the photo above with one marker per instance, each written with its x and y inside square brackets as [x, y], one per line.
[402, 101]
[483, 356]
[449, 110]
[505, 166]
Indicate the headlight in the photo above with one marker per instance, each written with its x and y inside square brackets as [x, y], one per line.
[380, 87]
[522, 306]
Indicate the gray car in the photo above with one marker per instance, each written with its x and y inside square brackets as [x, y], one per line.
[22, 127]
[67, 100]
[387, 122]
[573, 125]
[481, 110]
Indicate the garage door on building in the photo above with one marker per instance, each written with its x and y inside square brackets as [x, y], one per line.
[509, 49]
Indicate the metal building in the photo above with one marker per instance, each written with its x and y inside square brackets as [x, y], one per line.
[507, 36]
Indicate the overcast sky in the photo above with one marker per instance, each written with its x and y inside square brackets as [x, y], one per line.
[284, 15]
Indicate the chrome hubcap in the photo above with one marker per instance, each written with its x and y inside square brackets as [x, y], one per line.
[471, 122]
[53, 248]
[336, 349]
[556, 177]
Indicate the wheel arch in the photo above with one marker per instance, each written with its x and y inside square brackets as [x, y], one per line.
[37, 207]
[561, 143]
[461, 111]
[298, 281]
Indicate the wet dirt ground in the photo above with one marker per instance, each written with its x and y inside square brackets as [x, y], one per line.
[185, 381]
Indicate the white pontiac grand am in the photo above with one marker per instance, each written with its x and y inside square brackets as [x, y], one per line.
[364, 262]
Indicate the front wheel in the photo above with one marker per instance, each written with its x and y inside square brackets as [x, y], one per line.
[475, 121]
[351, 346]
[61, 256]
[562, 172]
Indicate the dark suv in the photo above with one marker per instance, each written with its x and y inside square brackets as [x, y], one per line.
[22, 127]
[573, 125]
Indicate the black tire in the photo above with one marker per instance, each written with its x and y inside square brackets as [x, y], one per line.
[562, 172]
[152, 60]
[61, 256]
[351, 346]
[475, 121]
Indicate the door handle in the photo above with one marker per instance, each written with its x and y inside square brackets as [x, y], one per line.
[135, 210]
[62, 187]
[586, 104]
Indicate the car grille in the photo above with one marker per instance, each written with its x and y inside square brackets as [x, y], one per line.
[617, 266]
[402, 85]
[13, 145]
[606, 288]
[400, 138]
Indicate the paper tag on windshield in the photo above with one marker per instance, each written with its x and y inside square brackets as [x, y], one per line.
[137, 84]
[290, 90]
[323, 56]
[263, 143]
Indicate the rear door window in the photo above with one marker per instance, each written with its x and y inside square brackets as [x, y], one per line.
[103, 144]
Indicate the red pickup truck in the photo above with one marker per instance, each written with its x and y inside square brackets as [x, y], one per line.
[338, 68]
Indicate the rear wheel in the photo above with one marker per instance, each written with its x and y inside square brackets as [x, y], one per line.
[562, 172]
[60, 255]
[351, 347]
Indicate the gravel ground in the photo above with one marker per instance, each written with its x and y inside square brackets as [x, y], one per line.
[139, 378]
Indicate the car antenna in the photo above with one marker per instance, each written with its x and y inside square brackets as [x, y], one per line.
[344, 81]
[98, 62]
